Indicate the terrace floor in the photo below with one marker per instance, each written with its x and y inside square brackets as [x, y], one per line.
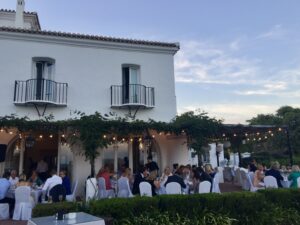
[225, 187]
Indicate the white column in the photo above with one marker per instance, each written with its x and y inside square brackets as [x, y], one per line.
[130, 156]
[21, 160]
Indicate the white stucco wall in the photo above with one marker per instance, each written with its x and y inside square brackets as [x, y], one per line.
[89, 72]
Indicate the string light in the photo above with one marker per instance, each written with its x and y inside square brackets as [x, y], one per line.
[270, 131]
[114, 138]
[160, 133]
[41, 136]
[266, 137]
[246, 134]
[50, 136]
[1, 130]
[104, 136]
[10, 132]
[279, 129]
[224, 135]
[257, 133]
[131, 140]
[140, 139]
[234, 135]
[123, 139]
[272, 134]
[62, 135]
[153, 136]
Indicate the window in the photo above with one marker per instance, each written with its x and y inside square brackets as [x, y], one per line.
[131, 83]
[43, 75]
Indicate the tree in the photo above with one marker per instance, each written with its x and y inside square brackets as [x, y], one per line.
[199, 129]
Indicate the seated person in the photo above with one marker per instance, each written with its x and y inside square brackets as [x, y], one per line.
[34, 179]
[104, 172]
[13, 179]
[163, 179]
[177, 177]
[65, 181]
[258, 180]
[139, 177]
[274, 171]
[294, 176]
[209, 170]
[51, 182]
[22, 181]
[4, 187]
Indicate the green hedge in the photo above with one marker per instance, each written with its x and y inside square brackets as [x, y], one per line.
[278, 207]
[51, 209]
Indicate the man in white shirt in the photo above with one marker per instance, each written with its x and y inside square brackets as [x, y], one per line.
[51, 182]
[13, 179]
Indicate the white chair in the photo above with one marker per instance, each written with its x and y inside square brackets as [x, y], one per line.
[145, 189]
[204, 187]
[91, 189]
[24, 203]
[123, 188]
[246, 180]
[298, 182]
[250, 177]
[72, 197]
[215, 184]
[4, 211]
[102, 192]
[270, 182]
[173, 188]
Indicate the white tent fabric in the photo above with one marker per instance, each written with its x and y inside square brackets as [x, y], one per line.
[24, 203]
[270, 182]
[204, 187]
[173, 188]
[4, 211]
[145, 189]
[72, 197]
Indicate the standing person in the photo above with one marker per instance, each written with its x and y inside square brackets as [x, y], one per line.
[13, 179]
[274, 171]
[4, 187]
[152, 167]
[65, 181]
[294, 176]
[42, 169]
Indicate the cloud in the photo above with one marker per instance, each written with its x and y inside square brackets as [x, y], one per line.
[272, 88]
[205, 62]
[276, 32]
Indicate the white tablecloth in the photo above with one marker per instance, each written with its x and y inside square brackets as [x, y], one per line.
[81, 218]
[35, 193]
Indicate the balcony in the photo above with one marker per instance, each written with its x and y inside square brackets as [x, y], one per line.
[40, 92]
[133, 95]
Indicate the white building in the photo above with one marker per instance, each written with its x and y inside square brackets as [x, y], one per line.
[55, 73]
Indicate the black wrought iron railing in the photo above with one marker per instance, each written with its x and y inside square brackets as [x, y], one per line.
[40, 91]
[132, 94]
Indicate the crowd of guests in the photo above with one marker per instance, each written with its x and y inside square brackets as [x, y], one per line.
[260, 171]
[42, 180]
[187, 176]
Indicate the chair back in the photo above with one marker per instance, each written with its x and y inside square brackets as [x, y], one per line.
[298, 182]
[74, 187]
[246, 184]
[173, 188]
[22, 194]
[101, 188]
[91, 189]
[270, 182]
[145, 189]
[56, 191]
[123, 188]
[204, 187]
[215, 184]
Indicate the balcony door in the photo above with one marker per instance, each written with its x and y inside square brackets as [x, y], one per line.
[42, 82]
[131, 85]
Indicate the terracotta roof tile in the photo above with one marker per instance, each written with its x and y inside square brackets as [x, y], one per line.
[90, 37]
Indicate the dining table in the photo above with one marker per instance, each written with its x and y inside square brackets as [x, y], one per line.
[35, 193]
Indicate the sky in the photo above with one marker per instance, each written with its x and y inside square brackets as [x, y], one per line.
[237, 59]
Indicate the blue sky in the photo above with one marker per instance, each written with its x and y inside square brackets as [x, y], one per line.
[237, 59]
